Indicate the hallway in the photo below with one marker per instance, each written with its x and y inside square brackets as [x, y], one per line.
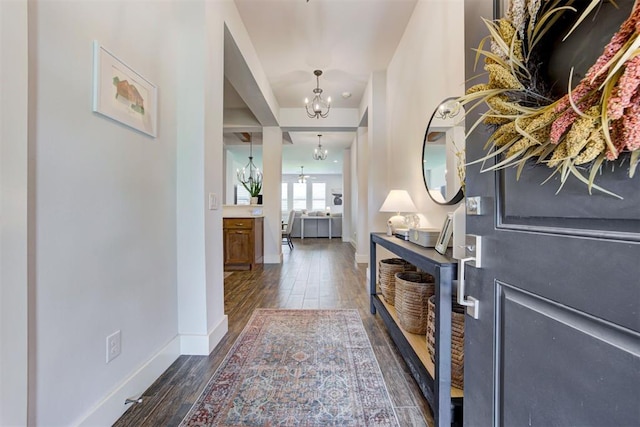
[317, 273]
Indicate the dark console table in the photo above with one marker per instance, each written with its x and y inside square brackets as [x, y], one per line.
[433, 379]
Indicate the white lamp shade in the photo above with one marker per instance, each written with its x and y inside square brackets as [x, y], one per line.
[398, 201]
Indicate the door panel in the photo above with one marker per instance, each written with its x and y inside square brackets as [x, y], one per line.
[598, 277]
[540, 343]
[521, 202]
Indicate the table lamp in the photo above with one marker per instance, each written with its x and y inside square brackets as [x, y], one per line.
[397, 201]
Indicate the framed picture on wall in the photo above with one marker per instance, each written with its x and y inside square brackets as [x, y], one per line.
[122, 94]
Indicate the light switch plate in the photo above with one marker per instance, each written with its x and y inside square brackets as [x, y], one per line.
[213, 202]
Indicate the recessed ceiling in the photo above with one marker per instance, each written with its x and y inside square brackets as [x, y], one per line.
[347, 39]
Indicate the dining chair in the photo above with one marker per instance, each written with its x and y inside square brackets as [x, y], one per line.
[287, 228]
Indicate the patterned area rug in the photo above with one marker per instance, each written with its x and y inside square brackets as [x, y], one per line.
[297, 368]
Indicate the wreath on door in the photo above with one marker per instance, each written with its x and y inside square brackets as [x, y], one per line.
[594, 122]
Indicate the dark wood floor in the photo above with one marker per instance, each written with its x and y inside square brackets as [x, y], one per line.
[317, 273]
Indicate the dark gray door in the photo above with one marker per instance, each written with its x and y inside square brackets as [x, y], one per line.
[557, 341]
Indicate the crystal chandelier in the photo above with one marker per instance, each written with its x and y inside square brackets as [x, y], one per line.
[317, 105]
[319, 153]
[250, 176]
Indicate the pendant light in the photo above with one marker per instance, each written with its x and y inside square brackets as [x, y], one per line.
[318, 107]
[319, 153]
[250, 176]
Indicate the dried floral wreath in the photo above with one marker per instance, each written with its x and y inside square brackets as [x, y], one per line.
[593, 123]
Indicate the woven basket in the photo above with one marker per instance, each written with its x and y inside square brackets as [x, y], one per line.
[457, 339]
[387, 269]
[412, 294]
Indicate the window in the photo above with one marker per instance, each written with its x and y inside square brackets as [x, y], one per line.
[242, 195]
[319, 194]
[299, 196]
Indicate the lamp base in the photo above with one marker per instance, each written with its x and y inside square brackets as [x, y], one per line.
[395, 222]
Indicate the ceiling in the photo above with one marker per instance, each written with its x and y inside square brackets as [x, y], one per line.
[347, 39]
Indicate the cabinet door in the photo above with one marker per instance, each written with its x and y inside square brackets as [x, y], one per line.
[238, 247]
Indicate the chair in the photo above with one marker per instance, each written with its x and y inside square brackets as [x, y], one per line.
[286, 229]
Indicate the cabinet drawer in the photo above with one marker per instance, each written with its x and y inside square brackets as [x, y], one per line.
[238, 223]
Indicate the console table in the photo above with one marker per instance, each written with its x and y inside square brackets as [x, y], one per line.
[434, 380]
[306, 217]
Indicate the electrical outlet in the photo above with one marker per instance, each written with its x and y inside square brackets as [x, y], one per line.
[114, 346]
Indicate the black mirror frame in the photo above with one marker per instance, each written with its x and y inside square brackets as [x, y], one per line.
[460, 194]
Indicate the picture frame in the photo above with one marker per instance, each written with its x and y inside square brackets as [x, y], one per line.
[445, 234]
[122, 94]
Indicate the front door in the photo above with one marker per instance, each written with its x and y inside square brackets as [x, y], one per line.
[557, 340]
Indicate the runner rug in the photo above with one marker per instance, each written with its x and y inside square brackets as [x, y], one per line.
[297, 368]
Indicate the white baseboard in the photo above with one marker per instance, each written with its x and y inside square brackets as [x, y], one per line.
[218, 332]
[112, 407]
[202, 345]
[273, 258]
[362, 258]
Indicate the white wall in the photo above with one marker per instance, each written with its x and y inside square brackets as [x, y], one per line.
[380, 147]
[190, 175]
[427, 67]
[346, 195]
[104, 208]
[362, 205]
[353, 202]
[272, 160]
[13, 213]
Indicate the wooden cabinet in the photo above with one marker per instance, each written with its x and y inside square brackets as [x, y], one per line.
[243, 243]
[434, 379]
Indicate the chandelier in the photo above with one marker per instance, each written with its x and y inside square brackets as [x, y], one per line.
[317, 105]
[319, 153]
[250, 176]
[302, 178]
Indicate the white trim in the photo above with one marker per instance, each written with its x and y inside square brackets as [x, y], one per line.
[203, 345]
[362, 258]
[217, 333]
[273, 258]
[112, 406]
[17, 363]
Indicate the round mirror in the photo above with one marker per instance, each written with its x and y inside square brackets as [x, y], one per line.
[443, 153]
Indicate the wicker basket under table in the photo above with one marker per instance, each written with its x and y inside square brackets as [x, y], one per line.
[387, 269]
[413, 290]
[457, 339]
